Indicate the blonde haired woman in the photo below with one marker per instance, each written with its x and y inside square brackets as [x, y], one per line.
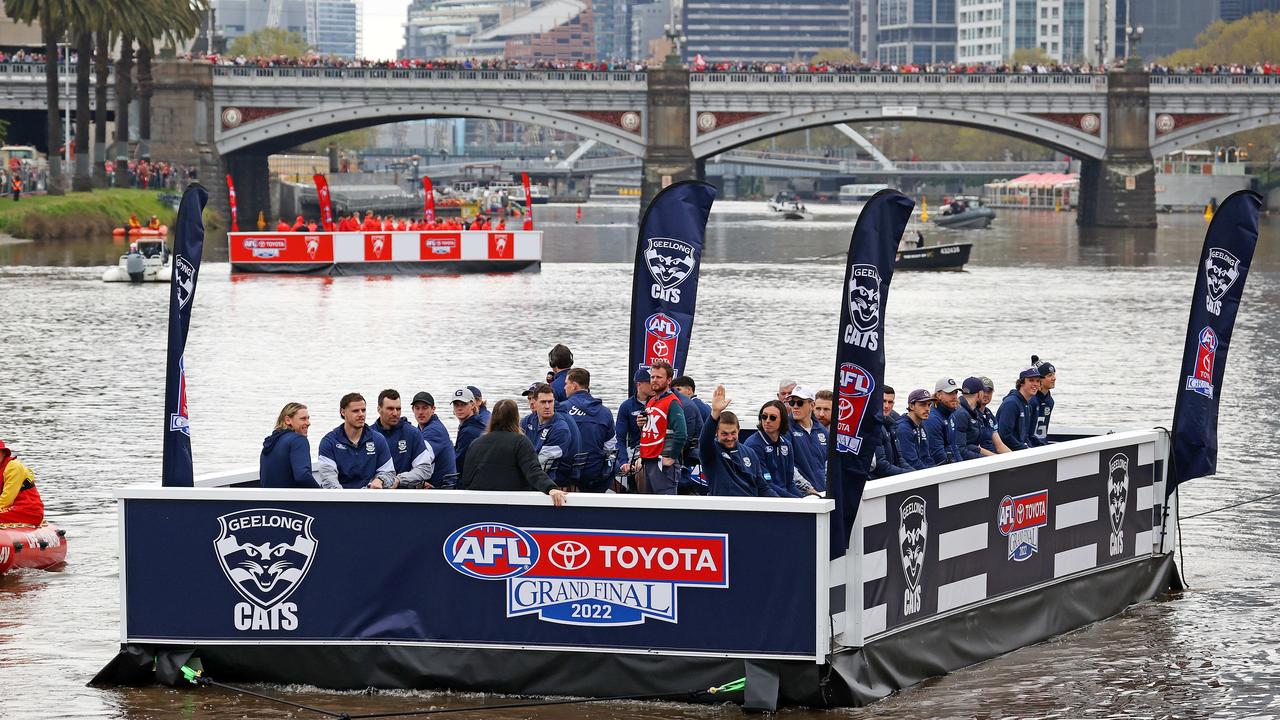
[286, 453]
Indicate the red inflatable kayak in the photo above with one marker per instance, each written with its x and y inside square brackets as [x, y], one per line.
[162, 231]
[27, 546]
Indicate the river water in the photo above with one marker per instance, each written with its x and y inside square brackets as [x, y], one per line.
[82, 376]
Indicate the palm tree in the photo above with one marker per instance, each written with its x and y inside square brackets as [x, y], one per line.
[124, 96]
[55, 16]
[102, 72]
[82, 181]
[180, 20]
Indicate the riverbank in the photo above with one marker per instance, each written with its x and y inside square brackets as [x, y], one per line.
[77, 215]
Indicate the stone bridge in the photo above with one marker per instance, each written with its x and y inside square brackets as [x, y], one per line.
[230, 118]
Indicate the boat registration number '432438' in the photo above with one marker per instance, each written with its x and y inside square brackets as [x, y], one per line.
[589, 577]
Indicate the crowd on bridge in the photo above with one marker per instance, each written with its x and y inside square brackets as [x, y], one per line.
[662, 439]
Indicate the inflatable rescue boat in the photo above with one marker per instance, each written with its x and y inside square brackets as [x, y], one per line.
[28, 546]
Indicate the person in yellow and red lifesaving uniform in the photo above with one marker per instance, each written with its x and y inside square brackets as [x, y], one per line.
[19, 501]
[134, 223]
[154, 223]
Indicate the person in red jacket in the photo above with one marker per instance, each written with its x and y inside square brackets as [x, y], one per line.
[282, 226]
[371, 223]
[299, 225]
[20, 502]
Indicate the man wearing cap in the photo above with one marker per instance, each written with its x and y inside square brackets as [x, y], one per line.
[444, 462]
[594, 424]
[730, 467]
[20, 502]
[560, 359]
[663, 434]
[626, 430]
[1013, 419]
[946, 445]
[550, 434]
[988, 417]
[808, 438]
[409, 453]
[913, 444]
[353, 454]
[482, 407]
[1041, 404]
[972, 433]
[470, 426]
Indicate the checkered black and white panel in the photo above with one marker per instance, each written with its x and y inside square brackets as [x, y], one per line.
[943, 547]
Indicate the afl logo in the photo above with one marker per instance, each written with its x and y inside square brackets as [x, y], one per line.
[491, 551]
[569, 555]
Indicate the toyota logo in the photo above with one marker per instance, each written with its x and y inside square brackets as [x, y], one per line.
[569, 555]
[660, 348]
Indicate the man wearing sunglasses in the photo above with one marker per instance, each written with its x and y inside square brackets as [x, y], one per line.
[808, 438]
[772, 445]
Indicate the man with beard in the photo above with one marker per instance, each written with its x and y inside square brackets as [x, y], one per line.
[822, 408]
[663, 434]
[730, 467]
[353, 454]
[409, 452]
[946, 445]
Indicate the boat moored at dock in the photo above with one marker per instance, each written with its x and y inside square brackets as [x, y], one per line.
[356, 253]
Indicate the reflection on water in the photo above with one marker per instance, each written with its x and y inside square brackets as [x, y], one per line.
[83, 366]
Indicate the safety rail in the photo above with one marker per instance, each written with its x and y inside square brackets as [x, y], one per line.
[33, 72]
[438, 74]
[1029, 82]
[1215, 83]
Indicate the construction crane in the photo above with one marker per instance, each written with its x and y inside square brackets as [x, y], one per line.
[275, 9]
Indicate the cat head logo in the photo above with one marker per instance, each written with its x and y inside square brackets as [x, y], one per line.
[1117, 489]
[913, 536]
[265, 552]
[1221, 270]
[670, 261]
[864, 297]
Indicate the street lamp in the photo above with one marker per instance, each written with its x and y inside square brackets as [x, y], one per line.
[416, 185]
[1133, 35]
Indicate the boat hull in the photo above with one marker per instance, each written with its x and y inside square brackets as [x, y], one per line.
[973, 218]
[935, 257]
[26, 546]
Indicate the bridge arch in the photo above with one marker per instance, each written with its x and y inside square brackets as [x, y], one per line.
[289, 129]
[1024, 127]
[1213, 129]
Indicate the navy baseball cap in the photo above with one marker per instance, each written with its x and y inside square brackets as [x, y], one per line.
[1046, 368]
[1029, 373]
[642, 375]
[972, 385]
[919, 395]
[529, 390]
[475, 391]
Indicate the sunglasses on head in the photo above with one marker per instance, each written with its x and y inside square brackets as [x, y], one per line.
[771, 417]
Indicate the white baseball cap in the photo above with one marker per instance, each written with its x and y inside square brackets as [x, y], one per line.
[463, 395]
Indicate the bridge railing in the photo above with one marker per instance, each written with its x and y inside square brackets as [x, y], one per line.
[25, 72]
[425, 74]
[924, 82]
[1215, 83]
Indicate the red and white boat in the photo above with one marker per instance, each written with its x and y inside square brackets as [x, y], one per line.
[28, 546]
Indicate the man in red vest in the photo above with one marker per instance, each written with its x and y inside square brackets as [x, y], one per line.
[663, 435]
[19, 501]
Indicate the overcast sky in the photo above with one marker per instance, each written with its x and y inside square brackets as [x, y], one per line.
[383, 28]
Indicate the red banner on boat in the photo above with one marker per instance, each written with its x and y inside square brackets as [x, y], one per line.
[528, 203]
[231, 197]
[326, 206]
[428, 201]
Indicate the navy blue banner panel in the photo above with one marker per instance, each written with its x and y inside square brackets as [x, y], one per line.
[1224, 265]
[188, 248]
[664, 289]
[300, 572]
[859, 373]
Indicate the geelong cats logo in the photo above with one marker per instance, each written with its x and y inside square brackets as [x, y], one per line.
[913, 535]
[1221, 270]
[265, 554]
[863, 329]
[670, 262]
[1117, 499]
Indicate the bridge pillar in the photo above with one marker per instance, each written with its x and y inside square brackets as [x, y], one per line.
[183, 118]
[668, 157]
[1120, 189]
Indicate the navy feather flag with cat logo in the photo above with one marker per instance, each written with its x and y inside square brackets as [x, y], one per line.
[859, 377]
[188, 247]
[1224, 265]
[664, 289]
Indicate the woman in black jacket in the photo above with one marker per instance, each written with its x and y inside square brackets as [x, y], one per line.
[504, 459]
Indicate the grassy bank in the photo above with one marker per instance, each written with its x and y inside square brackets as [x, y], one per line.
[79, 215]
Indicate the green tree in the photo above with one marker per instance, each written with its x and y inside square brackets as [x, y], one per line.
[349, 140]
[835, 56]
[1030, 56]
[270, 41]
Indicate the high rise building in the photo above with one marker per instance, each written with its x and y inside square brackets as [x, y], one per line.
[648, 22]
[1169, 25]
[916, 31]
[766, 30]
[1231, 10]
[331, 27]
[1069, 31]
[612, 20]
[552, 30]
[444, 28]
[868, 27]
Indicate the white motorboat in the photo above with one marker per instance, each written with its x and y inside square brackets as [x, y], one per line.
[146, 261]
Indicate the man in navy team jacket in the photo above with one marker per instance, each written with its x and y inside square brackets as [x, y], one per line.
[729, 467]
[353, 454]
